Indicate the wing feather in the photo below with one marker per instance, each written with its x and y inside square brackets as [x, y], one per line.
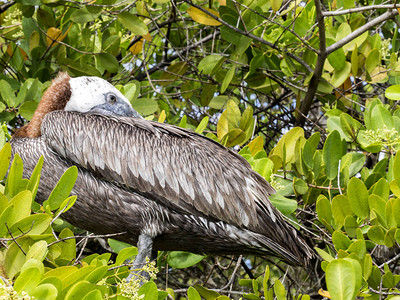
[174, 167]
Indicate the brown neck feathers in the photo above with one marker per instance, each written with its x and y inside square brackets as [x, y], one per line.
[54, 98]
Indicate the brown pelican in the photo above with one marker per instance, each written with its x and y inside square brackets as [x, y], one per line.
[165, 187]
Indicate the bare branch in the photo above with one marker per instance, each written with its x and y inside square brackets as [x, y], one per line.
[358, 9]
[319, 66]
[382, 18]
[6, 6]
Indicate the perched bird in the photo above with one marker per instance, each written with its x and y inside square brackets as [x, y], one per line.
[164, 187]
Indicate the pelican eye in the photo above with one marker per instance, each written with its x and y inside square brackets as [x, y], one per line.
[111, 98]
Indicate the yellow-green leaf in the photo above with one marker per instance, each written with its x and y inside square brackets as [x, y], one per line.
[256, 145]
[203, 18]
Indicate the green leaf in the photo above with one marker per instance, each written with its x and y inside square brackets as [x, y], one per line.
[341, 279]
[343, 31]
[350, 225]
[27, 109]
[79, 68]
[48, 288]
[219, 102]
[235, 137]
[325, 255]
[355, 262]
[181, 259]
[206, 293]
[300, 186]
[93, 295]
[108, 62]
[207, 94]
[68, 246]
[396, 168]
[376, 234]
[202, 125]
[5, 157]
[131, 90]
[228, 78]
[126, 253]
[79, 289]
[396, 210]
[284, 205]
[149, 290]
[378, 205]
[21, 204]
[337, 59]
[6, 215]
[229, 120]
[7, 94]
[279, 290]
[324, 210]
[265, 280]
[28, 281]
[332, 153]
[393, 92]
[341, 209]
[210, 64]
[14, 182]
[33, 184]
[63, 188]
[97, 274]
[145, 106]
[173, 73]
[15, 258]
[340, 241]
[350, 126]
[354, 61]
[372, 61]
[37, 251]
[276, 5]
[67, 204]
[183, 122]
[358, 197]
[381, 117]
[285, 148]
[193, 294]
[83, 15]
[33, 263]
[340, 76]
[117, 246]
[264, 167]
[367, 268]
[133, 23]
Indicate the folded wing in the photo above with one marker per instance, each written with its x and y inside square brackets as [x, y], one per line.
[172, 166]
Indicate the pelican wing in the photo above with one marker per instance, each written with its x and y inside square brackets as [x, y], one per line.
[172, 166]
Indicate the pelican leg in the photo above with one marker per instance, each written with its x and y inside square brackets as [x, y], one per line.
[144, 245]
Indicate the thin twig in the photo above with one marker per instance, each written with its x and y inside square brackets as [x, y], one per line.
[14, 239]
[85, 236]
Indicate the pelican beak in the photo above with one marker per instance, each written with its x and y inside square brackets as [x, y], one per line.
[118, 108]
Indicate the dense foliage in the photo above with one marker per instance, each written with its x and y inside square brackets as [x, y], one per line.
[305, 90]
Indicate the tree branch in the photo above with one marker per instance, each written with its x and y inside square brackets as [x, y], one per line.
[382, 18]
[359, 9]
[252, 36]
[6, 6]
[319, 66]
